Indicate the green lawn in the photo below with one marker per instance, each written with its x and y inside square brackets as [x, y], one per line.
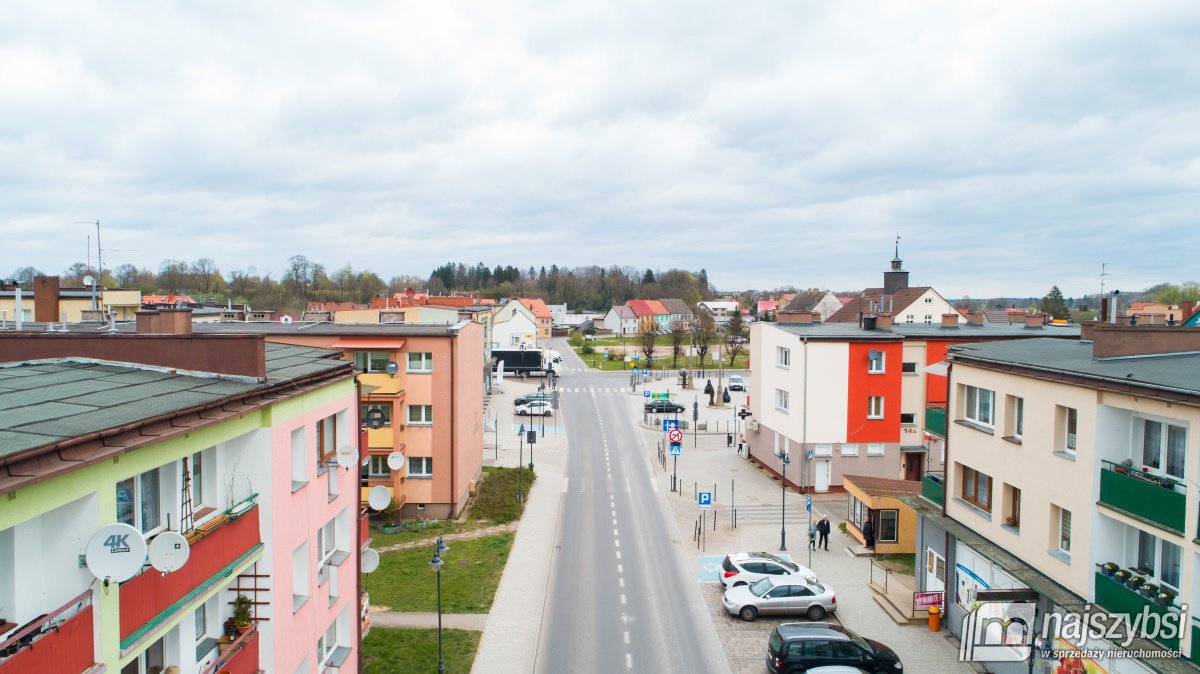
[496, 502]
[404, 580]
[439, 528]
[898, 563]
[597, 360]
[389, 650]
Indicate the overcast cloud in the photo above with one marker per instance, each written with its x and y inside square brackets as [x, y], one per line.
[1013, 146]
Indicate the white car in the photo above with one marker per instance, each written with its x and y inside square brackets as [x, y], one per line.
[538, 408]
[746, 568]
[737, 383]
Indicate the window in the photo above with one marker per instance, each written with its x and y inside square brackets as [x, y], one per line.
[420, 362]
[371, 361]
[908, 368]
[140, 502]
[782, 400]
[1163, 447]
[850, 449]
[928, 300]
[327, 643]
[200, 618]
[874, 449]
[1147, 552]
[888, 526]
[326, 546]
[1171, 557]
[908, 318]
[150, 661]
[326, 439]
[300, 569]
[875, 407]
[876, 361]
[420, 414]
[384, 408]
[420, 466]
[375, 468]
[299, 466]
[928, 319]
[1158, 560]
[204, 497]
[1012, 506]
[979, 405]
[977, 489]
[823, 450]
[783, 356]
[908, 418]
[1072, 426]
[1014, 408]
[1064, 531]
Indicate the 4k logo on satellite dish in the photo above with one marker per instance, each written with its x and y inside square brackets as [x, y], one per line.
[117, 543]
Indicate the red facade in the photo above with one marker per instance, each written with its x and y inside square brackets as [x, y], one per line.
[68, 648]
[862, 385]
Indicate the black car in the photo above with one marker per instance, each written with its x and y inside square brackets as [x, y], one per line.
[663, 406]
[795, 648]
[532, 397]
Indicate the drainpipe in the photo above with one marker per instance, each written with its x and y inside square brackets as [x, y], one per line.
[358, 575]
[806, 473]
[453, 424]
[946, 443]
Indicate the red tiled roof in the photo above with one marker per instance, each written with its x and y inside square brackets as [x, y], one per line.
[537, 306]
[171, 299]
[647, 307]
[658, 308]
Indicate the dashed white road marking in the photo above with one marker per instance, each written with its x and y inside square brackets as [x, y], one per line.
[618, 554]
[628, 661]
[627, 638]
[566, 484]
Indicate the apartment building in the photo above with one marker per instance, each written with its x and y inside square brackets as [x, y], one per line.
[46, 301]
[652, 316]
[226, 440]
[1070, 467]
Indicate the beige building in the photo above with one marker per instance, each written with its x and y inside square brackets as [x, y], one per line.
[47, 302]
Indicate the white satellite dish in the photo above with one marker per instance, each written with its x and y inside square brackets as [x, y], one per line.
[395, 461]
[169, 551]
[347, 457]
[89, 281]
[379, 498]
[116, 553]
[285, 319]
[369, 560]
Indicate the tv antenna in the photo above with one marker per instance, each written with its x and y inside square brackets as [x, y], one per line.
[1103, 273]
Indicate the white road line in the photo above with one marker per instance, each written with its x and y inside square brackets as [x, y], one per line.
[628, 661]
[615, 532]
[614, 515]
[628, 487]
[566, 484]
[627, 638]
[622, 599]
[614, 521]
[618, 554]
[621, 581]
[620, 568]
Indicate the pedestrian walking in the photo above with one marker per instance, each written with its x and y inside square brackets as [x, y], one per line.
[823, 529]
[812, 535]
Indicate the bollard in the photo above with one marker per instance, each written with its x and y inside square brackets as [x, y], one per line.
[735, 518]
[935, 619]
[714, 519]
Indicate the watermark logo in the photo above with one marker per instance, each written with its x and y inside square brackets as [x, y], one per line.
[998, 631]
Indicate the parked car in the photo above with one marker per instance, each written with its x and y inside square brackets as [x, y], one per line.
[796, 648]
[532, 397]
[780, 595]
[746, 568]
[660, 405]
[737, 383]
[836, 669]
[539, 408]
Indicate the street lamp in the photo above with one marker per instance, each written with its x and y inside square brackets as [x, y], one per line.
[784, 460]
[440, 548]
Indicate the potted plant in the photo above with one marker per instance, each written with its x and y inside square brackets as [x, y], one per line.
[1109, 568]
[1164, 598]
[1121, 575]
[1134, 582]
[1124, 467]
[231, 630]
[1149, 590]
[241, 613]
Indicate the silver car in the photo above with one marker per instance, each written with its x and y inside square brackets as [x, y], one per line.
[780, 595]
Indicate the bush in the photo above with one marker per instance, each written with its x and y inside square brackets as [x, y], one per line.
[496, 499]
[587, 350]
[576, 339]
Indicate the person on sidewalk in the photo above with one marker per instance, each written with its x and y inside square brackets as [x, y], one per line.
[823, 529]
[812, 535]
[868, 531]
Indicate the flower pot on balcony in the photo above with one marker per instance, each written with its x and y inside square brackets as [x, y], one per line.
[1164, 598]
[1121, 576]
[1149, 590]
[1109, 568]
[231, 629]
[1134, 582]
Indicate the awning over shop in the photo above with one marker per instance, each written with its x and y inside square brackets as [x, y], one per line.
[365, 343]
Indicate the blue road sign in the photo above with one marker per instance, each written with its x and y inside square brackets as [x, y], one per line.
[676, 450]
[670, 424]
[645, 394]
[808, 503]
[810, 455]
[704, 498]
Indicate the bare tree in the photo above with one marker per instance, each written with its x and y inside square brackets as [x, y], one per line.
[678, 335]
[646, 344]
[735, 336]
[704, 331]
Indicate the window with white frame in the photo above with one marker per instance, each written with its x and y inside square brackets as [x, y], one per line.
[326, 546]
[299, 465]
[421, 415]
[909, 318]
[385, 408]
[850, 449]
[376, 468]
[200, 623]
[875, 407]
[783, 356]
[1158, 559]
[142, 500]
[202, 469]
[371, 361]
[1070, 418]
[908, 368]
[928, 319]
[979, 405]
[420, 362]
[420, 466]
[150, 661]
[876, 361]
[874, 449]
[326, 644]
[1163, 447]
[782, 400]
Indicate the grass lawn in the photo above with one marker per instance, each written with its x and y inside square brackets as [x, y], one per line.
[440, 528]
[404, 580]
[597, 361]
[898, 563]
[388, 650]
[495, 503]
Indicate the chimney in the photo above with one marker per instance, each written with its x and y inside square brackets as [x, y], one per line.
[45, 299]
[868, 321]
[1185, 310]
[975, 318]
[796, 316]
[1034, 320]
[883, 321]
[950, 320]
[165, 321]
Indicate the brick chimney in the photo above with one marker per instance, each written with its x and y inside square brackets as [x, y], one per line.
[166, 321]
[1034, 320]
[884, 321]
[975, 318]
[796, 316]
[45, 299]
[950, 320]
[1185, 310]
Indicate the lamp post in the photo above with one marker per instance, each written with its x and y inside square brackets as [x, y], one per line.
[784, 460]
[440, 548]
[520, 463]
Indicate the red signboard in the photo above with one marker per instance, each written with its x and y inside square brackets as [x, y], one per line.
[922, 601]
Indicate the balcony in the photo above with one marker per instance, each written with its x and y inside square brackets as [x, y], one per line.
[1116, 598]
[935, 419]
[933, 487]
[60, 641]
[1152, 499]
[217, 547]
[240, 657]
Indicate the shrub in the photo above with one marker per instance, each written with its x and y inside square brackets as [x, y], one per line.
[576, 339]
[496, 499]
[587, 350]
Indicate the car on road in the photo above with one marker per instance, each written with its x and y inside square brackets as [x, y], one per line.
[656, 406]
[539, 408]
[532, 397]
[747, 568]
[796, 648]
[780, 595]
[737, 383]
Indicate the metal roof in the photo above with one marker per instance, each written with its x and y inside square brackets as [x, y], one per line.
[321, 328]
[923, 331]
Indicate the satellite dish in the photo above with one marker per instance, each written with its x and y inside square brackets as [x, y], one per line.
[169, 551]
[395, 461]
[379, 498]
[369, 560]
[89, 281]
[375, 419]
[347, 457]
[285, 319]
[392, 367]
[116, 553]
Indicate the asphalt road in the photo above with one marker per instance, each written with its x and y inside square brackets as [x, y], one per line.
[621, 596]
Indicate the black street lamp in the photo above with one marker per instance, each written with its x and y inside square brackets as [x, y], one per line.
[784, 460]
[440, 548]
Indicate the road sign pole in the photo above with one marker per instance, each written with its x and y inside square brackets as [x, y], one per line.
[674, 473]
[520, 466]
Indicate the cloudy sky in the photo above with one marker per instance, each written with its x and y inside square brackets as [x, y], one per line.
[1012, 145]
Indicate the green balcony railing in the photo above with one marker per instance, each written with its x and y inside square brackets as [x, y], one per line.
[933, 487]
[1114, 597]
[1154, 499]
[935, 419]
[1195, 644]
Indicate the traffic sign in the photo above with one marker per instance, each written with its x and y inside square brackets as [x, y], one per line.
[705, 499]
[808, 503]
[676, 436]
[676, 450]
[645, 394]
[810, 455]
[744, 413]
[670, 424]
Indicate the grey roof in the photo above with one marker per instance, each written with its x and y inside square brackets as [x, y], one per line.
[624, 312]
[676, 306]
[920, 330]
[1171, 371]
[46, 402]
[806, 300]
[318, 328]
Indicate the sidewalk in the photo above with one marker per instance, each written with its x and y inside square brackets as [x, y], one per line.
[450, 621]
[707, 464]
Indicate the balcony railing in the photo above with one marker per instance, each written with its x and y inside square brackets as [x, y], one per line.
[1151, 498]
[1113, 596]
[240, 657]
[933, 487]
[59, 641]
[151, 594]
[935, 419]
